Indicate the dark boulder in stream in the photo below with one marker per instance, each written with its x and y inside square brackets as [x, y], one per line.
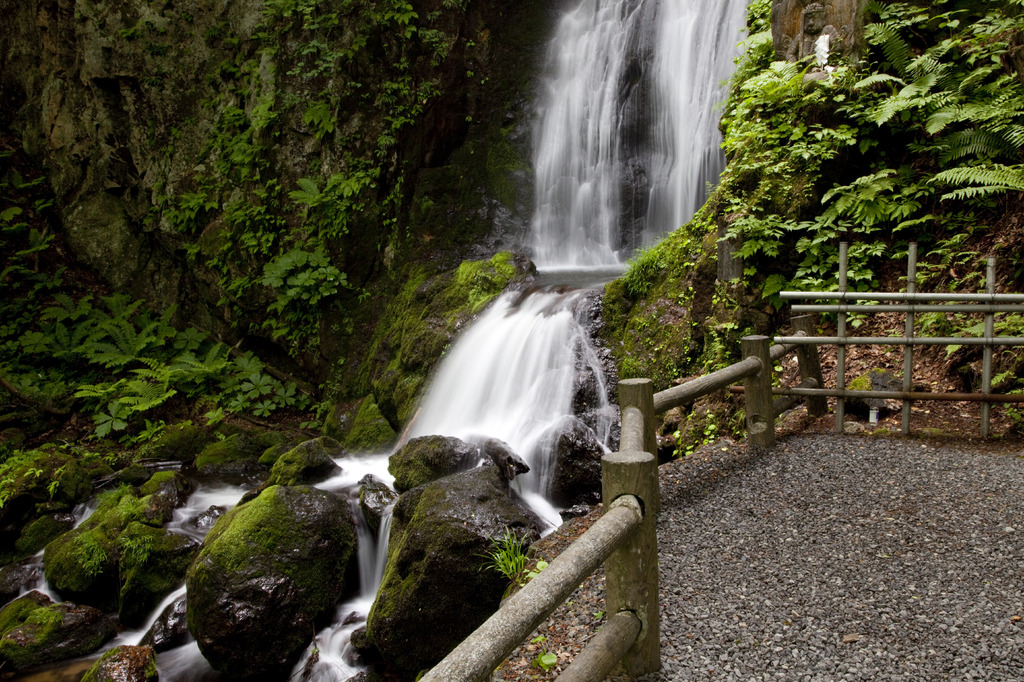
[268, 575]
[428, 458]
[436, 589]
[170, 629]
[374, 498]
[577, 475]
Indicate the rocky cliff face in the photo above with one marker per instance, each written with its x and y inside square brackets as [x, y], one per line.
[264, 164]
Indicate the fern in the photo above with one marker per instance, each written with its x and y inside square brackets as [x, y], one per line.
[981, 180]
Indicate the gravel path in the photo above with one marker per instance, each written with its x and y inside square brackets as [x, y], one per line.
[852, 558]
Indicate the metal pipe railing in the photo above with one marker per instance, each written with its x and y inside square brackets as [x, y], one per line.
[900, 296]
[905, 341]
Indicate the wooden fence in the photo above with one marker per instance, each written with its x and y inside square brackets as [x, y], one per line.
[624, 538]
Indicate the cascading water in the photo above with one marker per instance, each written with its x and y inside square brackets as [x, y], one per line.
[696, 45]
[512, 376]
[627, 137]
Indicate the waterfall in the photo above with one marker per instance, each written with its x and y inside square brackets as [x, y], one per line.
[513, 376]
[626, 138]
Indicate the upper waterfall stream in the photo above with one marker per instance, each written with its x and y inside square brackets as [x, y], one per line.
[626, 138]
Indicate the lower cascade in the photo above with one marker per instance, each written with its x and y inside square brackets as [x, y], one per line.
[517, 374]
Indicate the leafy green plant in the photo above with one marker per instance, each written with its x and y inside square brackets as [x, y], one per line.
[544, 660]
[507, 555]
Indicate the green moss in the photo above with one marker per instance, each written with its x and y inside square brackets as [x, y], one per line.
[308, 462]
[35, 482]
[156, 481]
[53, 633]
[181, 442]
[14, 613]
[476, 283]
[863, 382]
[273, 453]
[37, 534]
[236, 451]
[370, 430]
[152, 564]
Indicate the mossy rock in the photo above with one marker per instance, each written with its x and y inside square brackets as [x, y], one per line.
[84, 564]
[435, 589]
[427, 459]
[15, 612]
[268, 576]
[37, 534]
[338, 421]
[270, 456]
[164, 492]
[124, 663]
[53, 633]
[37, 483]
[370, 430]
[309, 462]
[180, 443]
[239, 453]
[152, 564]
[133, 474]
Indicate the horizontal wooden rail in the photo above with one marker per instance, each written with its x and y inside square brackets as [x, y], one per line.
[684, 394]
[603, 652]
[480, 653]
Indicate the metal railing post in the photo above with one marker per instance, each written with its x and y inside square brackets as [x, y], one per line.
[760, 416]
[841, 347]
[986, 363]
[810, 365]
[631, 572]
[908, 351]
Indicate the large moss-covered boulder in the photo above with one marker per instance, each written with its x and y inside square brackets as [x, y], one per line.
[124, 663]
[36, 632]
[269, 573]
[369, 430]
[239, 453]
[436, 590]
[428, 458]
[309, 462]
[152, 564]
[85, 564]
[37, 486]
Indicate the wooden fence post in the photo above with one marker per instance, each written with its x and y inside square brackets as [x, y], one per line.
[758, 393]
[631, 572]
[639, 394]
[810, 365]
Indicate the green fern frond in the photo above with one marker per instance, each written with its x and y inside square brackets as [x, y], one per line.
[141, 395]
[980, 181]
[976, 143]
[875, 79]
[896, 50]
